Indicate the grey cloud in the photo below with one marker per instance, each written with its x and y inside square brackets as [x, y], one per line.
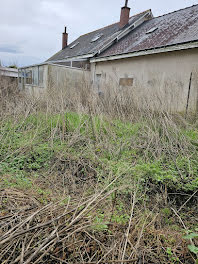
[9, 49]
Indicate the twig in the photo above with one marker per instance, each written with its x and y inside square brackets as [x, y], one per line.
[129, 226]
[114, 261]
[179, 218]
[187, 201]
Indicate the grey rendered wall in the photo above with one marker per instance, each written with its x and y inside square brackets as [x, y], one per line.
[60, 77]
[160, 80]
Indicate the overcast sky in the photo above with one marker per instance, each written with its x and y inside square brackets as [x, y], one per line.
[31, 30]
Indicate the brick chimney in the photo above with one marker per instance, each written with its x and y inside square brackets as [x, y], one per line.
[65, 39]
[125, 14]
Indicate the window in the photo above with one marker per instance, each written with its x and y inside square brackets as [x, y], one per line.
[23, 73]
[98, 80]
[32, 76]
[35, 75]
[151, 30]
[41, 71]
[23, 76]
[20, 76]
[125, 82]
[28, 76]
[98, 36]
[74, 45]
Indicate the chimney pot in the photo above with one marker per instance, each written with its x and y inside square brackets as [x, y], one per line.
[126, 3]
[65, 39]
[125, 14]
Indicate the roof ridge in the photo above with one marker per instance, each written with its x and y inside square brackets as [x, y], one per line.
[114, 23]
[141, 12]
[175, 11]
[98, 29]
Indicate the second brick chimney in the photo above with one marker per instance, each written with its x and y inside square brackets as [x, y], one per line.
[125, 14]
[65, 39]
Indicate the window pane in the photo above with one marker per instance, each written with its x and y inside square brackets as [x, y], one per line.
[98, 80]
[23, 76]
[35, 75]
[28, 75]
[20, 75]
[41, 70]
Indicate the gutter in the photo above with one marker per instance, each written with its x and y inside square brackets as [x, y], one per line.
[33, 65]
[53, 64]
[56, 61]
[74, 58]
[176, 47]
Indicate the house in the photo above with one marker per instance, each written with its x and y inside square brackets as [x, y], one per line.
[152, 59]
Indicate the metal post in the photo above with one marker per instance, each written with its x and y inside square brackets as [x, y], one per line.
[126, 3]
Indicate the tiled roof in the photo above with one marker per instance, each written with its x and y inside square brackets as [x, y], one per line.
[86, 46]
[174, 28]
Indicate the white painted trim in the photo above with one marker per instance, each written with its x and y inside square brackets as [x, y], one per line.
[147, 52]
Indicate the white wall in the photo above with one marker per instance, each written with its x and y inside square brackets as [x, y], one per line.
[59, 78]
[162, 80]
[66, 77]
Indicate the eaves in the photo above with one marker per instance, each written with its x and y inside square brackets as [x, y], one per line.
[177, 47]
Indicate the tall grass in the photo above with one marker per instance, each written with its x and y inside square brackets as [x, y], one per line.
[95, 179]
